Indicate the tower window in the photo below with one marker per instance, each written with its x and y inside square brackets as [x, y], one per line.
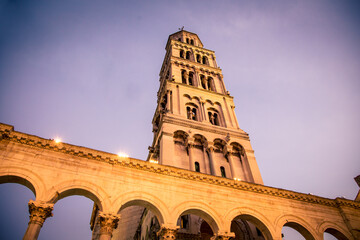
[191, 78]
[203, 81]
[223, 173]
[183, 76]
[192, 42]
[214, 118]
[205, 60]
[197, 167]
[182, 53]
[210, 84]
[191, 113]
[187, 40]
[198, 58]
[188, 54]
[179, 39]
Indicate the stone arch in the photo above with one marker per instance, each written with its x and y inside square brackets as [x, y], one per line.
[238, 147]
[146, 200]
[297, 223]
[200, 138]
[180, 136]
[209, 101]
[24, 177]
[81, 188]
[187, 96]
[334, 229]
[254, 216]
[200, 209]
[219, 143]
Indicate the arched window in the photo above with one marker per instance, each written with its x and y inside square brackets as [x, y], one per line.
[205, 60]
[188, 55]
[192, 113]
[203, 81]
[182, 53]
[183, 76]
[163, 102]
[198, 58]
[187, 40]
[192, 42]
[191, 78]
[223, 173]
[179, 39]
[197, 167]
[210, 84]
[214, 118]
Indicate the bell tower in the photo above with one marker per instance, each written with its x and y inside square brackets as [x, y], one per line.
[194, 125]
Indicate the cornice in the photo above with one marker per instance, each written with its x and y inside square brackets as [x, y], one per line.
[189, 46]
[192, 64]
[200, 89]
[200, 126]
[7, 134]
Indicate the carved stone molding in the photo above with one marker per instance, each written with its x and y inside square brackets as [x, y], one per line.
[39, 211]
[108, 222]
[167, 233]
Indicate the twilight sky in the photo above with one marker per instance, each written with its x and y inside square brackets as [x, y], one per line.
[88, 71]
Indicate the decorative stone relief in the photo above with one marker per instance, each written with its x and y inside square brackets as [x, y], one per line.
[39, 212]
[108, 222]
[167, 233]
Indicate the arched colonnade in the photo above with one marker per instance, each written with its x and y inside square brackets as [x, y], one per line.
[46, 198]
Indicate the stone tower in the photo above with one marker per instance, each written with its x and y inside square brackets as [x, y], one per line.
[194, 125]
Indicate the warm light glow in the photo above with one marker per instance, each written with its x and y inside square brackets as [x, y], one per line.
[57, 140]
[122, 155]
[153, 161]
[237, 179]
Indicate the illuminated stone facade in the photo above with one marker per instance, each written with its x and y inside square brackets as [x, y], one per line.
[186, 189]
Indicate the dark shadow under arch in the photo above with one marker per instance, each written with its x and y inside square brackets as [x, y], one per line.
[145, 204]
[339, 235]
[302, 230]
[260, 226]
[205, 216]
[79, 192]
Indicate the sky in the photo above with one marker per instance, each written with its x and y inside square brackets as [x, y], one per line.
[88, 71]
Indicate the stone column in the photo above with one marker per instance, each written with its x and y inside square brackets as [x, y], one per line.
[39, 211]
[168, 100]
[232, 166]
[108, 222]
[167, 233]
[211, 160]
[204, 158]
[190, 146]
[197, 77]
[204, 111]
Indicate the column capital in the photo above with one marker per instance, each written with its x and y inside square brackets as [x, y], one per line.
[167, 232]
[210, 146]
[39, 211]
[223, 236]
[108, 222]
